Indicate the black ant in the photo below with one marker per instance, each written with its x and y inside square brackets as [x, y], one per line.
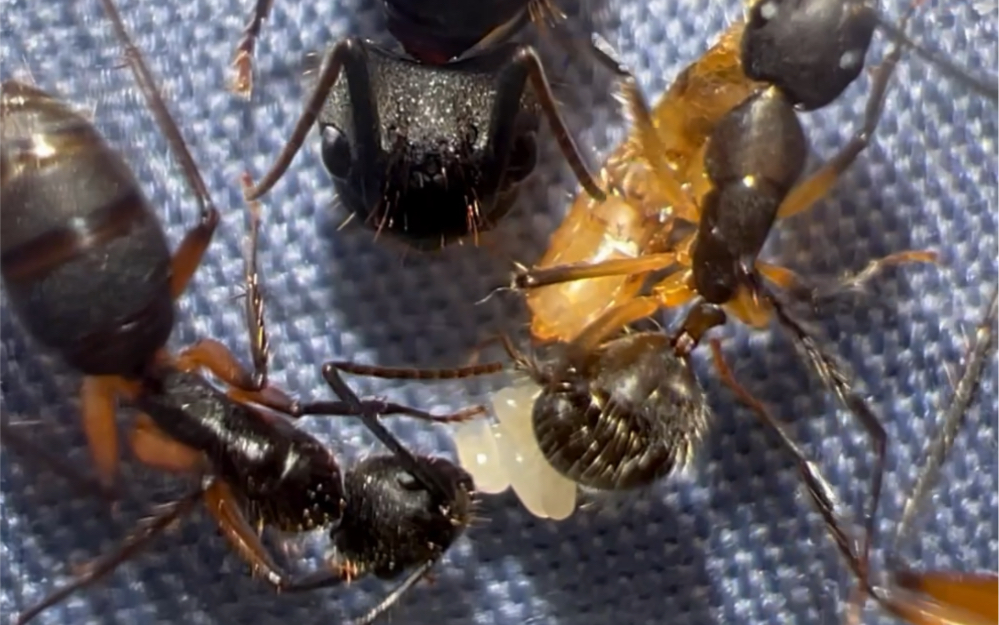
[88, 273]
[618, 412]
[387, 514]
[430, 152]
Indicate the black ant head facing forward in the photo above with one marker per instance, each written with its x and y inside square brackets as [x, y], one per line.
[811, 49]
[620, 416]
[393, 523]
[438, 31]
[429, 154]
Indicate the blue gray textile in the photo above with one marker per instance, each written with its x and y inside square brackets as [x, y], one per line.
[732, 541]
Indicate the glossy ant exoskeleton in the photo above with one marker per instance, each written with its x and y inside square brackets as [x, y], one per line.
[258, 470]
[87, 270]
[388, 514]
[940, 597]
[723, 151]
[429, 152]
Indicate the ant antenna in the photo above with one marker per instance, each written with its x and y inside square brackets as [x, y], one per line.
[964, 393]
[834, 378]
[397, 592]
[988, 88]
[371, 420]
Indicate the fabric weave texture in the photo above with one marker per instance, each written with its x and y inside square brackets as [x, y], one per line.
[733, 540]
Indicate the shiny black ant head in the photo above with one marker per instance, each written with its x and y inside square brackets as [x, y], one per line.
[811, 49]
[393, 523]
[438, 31]
[425, 153]
[621, 416]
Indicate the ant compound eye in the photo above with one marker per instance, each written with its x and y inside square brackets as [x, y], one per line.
[523, 157]
[335, 152]
[763, 12]
[407, 481]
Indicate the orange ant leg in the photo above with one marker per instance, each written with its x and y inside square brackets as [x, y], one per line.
[98, 399]
[191, 251]
[614, 320]
[975, 593]
[97, 569]
[242, 83]
[155, 449]
[215, 357]
[653, 150]
[224, 507]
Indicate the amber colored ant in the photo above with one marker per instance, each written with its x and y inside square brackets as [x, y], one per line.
[430, 153]
[723, 152]
[941, 597]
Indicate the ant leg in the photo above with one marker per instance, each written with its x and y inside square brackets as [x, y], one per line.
[223, 506]
[525, 65]
[818, 184]
[371, 420]
[155, 449]
[215, 357]
[32, 452]
[98, 397]
[393, 597]
[254, 299]
[818, 489]
[613, 321]
[647, 136]
[347, 55]
[382, 408]
[974, 595]
[413, 373]
[242, 84]
[188, 256]
[245, 541]
[836, 380]
[524, 278]
[97, 569]
[858, 280]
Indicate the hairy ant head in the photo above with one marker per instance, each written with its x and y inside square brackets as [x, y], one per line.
[427, 153]
[811, 49]
[621, 416]
[392, 522]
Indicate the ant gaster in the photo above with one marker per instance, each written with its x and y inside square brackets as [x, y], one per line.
[728, 166]
[86, 266]
[386, 515]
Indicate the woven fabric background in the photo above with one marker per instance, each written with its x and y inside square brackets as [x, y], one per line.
[732, 541]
